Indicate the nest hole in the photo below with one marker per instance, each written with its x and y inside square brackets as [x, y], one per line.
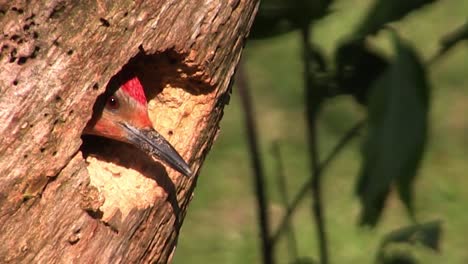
[122, 171]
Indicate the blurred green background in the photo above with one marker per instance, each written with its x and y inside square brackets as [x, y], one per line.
[221, 224]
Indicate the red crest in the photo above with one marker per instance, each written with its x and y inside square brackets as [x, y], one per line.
[134, 89]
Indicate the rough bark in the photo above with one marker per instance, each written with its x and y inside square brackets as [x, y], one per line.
[65, 198]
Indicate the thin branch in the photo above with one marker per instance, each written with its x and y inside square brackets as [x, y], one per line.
[259, 178]
[350, 134]
[313, 104]
[449, 41]
[283, 190]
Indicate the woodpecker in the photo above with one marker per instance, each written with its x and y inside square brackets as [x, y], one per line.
[121, 113]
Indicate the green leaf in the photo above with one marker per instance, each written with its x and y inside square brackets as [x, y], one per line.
[398, 259]
[427, 235]
[271, 20]
[307, 11]
[277, 17]
[397, 131]
[386, 11]
[358, 67]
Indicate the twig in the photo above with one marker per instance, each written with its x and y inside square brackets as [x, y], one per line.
[259, 178]
[306, 186]
[313, 101]
[283, 190]
[448, 42]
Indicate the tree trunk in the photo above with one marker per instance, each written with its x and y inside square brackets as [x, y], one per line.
[65, 198]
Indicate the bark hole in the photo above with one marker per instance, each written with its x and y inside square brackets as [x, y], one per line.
[104, 22]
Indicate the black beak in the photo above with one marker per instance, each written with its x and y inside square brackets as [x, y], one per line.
[150, 141]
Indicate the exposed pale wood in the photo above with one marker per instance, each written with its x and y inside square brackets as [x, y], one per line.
[115, 205]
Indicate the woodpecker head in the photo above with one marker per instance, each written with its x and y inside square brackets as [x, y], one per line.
[122, 114]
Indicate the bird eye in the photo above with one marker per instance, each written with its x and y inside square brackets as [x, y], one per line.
[112, 103]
